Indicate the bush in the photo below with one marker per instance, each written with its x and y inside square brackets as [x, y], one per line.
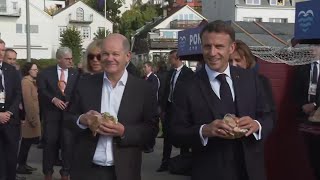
[41, 63]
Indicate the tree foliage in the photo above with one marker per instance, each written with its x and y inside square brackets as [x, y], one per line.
[71, 38]
[100, 34]
[135, 18]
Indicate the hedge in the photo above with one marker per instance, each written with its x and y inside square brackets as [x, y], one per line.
[41, 63]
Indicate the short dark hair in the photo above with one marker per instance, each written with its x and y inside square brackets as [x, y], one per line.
[26, 68]
[10, 50]
[148, 63]
[175, 51]
[2, 42]
[219, 26]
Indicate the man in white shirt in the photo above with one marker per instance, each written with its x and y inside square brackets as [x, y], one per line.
[116, 152]
[219, 89]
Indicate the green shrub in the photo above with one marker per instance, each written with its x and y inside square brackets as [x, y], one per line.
[41, 63]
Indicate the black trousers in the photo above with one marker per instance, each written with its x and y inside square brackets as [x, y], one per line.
[95, 173]
[167, 145]
[9, 144]
[24, 149]
[55, 136]
[313, 147]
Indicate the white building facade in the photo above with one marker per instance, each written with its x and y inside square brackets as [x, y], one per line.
[278, 11]
[45, 29]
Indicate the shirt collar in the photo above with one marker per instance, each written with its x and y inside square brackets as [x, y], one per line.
[123, 79]
[149, 74]
[213, 74]
[179, 68]
[59, 68]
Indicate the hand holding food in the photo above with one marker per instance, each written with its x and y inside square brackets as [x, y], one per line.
[232, 121]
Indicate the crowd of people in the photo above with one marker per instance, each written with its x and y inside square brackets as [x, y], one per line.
[59, 104]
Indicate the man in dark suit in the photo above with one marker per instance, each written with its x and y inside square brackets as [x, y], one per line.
[115, 153]
[150, 77]
[10, 97]
[307, 94]
[216, 90]
[177, 75]
[55, 86]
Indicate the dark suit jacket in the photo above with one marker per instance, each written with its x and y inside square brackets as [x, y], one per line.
[132, 69]
[138, 114]
[197, 105]
[153, 80]
[301, 87]
[48, 89]
[185, 74]
[12, 84]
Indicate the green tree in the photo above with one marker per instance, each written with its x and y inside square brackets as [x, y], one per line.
[133, 19]
[100, 34]
[71, 38]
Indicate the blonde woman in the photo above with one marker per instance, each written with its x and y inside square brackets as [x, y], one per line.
[91, 61]
[31, 129]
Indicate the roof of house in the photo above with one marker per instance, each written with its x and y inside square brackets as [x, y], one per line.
[266, 3]
[63, 9]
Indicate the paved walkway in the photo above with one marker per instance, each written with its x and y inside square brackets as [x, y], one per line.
[151, 162]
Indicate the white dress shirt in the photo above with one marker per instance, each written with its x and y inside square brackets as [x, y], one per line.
[1, 71]
[215, 85]
[110, 102]
[65, 73]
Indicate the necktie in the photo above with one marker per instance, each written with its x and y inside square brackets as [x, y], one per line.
[1, 85]
[172, 84]
[62, 82]
[225, 94]
[314, 79]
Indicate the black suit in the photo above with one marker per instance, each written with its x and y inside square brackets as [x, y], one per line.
[137, 112]
[302, 81]
[220, 158]
[185, 75]
[10, 132]
[54, 133]
[154, 81]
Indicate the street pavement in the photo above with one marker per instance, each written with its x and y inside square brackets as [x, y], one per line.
[150, 164]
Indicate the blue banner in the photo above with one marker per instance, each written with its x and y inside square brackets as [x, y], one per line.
[307, 20]
[189, 42]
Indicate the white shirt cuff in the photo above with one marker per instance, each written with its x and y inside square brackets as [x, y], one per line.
[257, 135]
[80, 125]
[204, 141]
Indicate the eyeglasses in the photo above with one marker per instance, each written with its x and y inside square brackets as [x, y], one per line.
[92, 56]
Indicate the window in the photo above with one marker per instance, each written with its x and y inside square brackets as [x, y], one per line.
[62, 29]
[253, 2]
[185, 16]
[85, 32]
[3, 6]
[180, 17]
[18, 28]
[251, 19]
[14, 5]
[34, 29]
[80, 15]
[191, 17]
[278, 20]
[277, 2]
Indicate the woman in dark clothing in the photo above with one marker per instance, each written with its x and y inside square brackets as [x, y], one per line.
[243, 57]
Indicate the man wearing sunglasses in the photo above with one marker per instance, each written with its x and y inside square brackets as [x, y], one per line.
[115, 153]
[55, 86]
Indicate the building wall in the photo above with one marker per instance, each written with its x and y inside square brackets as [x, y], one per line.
[218, 9]
[266, 13]
[47, 3]
[62, 20]
[40, 41]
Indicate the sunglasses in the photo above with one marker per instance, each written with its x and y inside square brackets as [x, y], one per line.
[92, 56]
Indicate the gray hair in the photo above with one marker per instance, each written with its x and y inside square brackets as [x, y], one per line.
[63, 51]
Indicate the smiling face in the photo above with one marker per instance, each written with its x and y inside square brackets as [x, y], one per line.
[114, 56]
[94, 58]
[216, 50]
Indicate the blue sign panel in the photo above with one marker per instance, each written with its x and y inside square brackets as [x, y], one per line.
[189, 42]
[307, 20]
